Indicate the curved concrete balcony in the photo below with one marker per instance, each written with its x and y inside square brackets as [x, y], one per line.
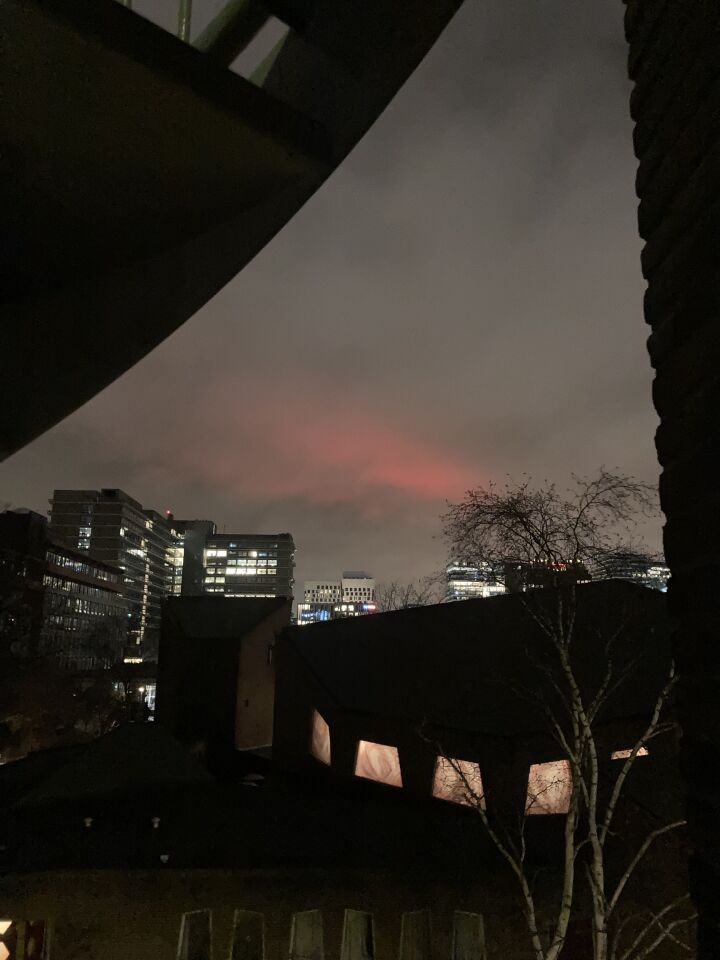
[139, 174]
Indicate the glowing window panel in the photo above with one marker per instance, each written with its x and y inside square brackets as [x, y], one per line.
[320, 739]
[5, 926]
[624, 754]
[458, 781]
[379, 762]
[549, 788]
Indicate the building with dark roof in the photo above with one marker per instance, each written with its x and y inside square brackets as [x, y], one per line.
[216, 672]
[334, 835]
[411, 685]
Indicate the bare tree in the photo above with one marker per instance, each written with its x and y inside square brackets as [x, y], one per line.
[560, 531]
[395, 595]
[544, 526]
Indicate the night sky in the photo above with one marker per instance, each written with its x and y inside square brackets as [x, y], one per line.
[462, 300]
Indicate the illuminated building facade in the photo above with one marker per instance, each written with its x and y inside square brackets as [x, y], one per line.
[467, 582]
[110, 526]
[56, 601]
[449, 668]
[351, 596]
[521, 575]
[258, 565]
[638, 568]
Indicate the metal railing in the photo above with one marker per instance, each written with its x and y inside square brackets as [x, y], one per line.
[231, 31]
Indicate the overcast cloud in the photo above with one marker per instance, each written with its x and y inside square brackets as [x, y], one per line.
[462, 300]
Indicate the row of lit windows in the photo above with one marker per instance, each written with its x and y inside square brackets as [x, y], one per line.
[72, 586]
[82, 605]
[232, 562]
[80, 566]
[240, 572]
[549, 787]
[73, 624]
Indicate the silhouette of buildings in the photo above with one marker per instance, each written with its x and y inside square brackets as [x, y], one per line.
[56, 601]
[351, 596]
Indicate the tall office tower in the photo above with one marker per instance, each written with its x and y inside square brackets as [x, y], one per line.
[250, 564]
[351, 596]
[466, 582]
[110, 526]
[636, 567]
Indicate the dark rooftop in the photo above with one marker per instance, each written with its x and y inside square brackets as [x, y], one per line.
[456, 664]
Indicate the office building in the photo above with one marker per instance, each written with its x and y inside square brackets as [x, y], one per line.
[258, 565]
[635, 567]
[56, 601]
[467, 582]
[110, 526]
[351, 596]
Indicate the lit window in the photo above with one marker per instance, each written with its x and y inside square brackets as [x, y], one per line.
[458, 781]
[549, 788]
[378, 761]
[320, 739]
[624, 754]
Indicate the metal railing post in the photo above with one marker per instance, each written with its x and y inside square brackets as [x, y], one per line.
[233, 28]
[184, 17]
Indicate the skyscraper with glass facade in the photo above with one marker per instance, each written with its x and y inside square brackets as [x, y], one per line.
[111, 526]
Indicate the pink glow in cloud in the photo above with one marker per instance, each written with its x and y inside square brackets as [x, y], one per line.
[300, 447]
